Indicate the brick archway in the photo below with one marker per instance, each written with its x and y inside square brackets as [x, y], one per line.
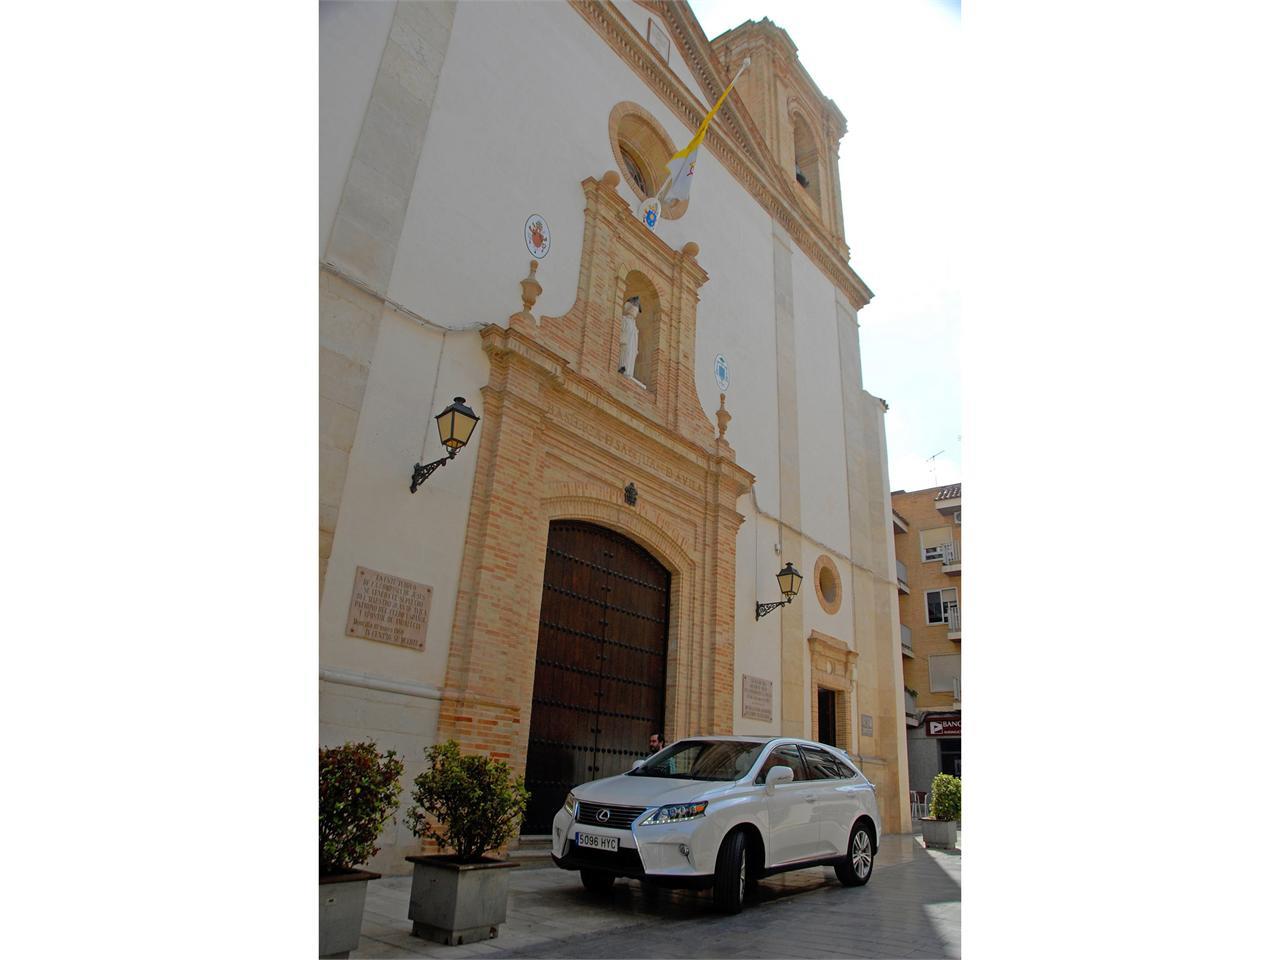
[599, 687]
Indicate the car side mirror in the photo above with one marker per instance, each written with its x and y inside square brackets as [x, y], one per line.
[776, 776]
[638, 763]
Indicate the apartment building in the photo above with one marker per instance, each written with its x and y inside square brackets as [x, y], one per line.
[926, 527]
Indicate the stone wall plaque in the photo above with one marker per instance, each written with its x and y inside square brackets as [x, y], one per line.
[757, 698]
[389, 609]
[867, 726]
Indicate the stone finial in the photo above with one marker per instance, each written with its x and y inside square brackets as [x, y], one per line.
[723, 417]
[530, 288]
[690, 249]
[611, 179]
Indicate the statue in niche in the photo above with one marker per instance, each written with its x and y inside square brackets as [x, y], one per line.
[630, 337]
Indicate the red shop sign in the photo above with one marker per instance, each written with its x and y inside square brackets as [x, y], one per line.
[942, 726]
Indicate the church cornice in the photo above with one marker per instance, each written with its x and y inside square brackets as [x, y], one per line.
[748, 161]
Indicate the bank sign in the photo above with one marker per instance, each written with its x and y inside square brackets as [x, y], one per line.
[942, 727]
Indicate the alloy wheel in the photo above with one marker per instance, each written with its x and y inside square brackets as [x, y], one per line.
[860, 855]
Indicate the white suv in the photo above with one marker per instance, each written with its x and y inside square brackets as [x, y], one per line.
[721, 812]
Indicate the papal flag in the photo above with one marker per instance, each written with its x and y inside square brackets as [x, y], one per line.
[680, 179]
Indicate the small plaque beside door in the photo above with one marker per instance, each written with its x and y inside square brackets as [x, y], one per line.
[389, 609]
[757, 698]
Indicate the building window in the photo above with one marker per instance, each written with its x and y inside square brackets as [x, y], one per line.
[642, 150]
[807, 154]
[938, 602]
[957, 518]
[935, 543]
[826, 584]
[635, 172]
[944, 673]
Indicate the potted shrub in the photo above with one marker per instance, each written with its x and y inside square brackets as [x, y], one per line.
[468, 805]
[944, 813]
[358, 793]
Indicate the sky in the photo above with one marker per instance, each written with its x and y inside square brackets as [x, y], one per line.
[893, 69]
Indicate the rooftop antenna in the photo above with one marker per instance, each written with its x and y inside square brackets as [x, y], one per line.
[933, 464]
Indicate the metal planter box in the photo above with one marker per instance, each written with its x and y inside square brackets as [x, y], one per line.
[342, 910]
[454, 903]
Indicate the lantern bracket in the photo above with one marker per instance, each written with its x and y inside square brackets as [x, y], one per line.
[421, 472]
[764, 608]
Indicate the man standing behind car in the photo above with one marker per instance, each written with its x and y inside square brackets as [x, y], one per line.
[656, 743]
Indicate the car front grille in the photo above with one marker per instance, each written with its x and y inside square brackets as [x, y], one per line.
[619, 818]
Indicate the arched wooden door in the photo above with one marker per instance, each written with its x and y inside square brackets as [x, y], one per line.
[600, 682]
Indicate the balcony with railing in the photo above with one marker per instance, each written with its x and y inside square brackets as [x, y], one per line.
[951, 612]
[902, 578]
[956, 692]
[909, 699]
[906, 642]
[951, 558]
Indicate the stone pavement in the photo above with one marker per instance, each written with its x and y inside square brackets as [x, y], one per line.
[911, 908]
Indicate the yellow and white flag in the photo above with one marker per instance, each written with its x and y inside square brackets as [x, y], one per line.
[679, 183]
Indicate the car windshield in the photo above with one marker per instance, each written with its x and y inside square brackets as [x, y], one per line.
[701, 760]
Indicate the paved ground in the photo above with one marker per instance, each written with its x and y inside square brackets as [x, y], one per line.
[911, 908]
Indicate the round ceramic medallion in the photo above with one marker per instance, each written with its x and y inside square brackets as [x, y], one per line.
[537, 236]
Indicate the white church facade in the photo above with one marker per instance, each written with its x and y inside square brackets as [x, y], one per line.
[667, 416]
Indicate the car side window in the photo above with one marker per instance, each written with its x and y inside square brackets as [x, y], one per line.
[788, 755]
[824, 765]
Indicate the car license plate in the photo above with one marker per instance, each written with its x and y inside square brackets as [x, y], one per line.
[595, 842]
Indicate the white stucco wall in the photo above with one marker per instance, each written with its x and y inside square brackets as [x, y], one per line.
[736, 318]
[383, 527]
[352, 36]
[824, 501]
[756, 647]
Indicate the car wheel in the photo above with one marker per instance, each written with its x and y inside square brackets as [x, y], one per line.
[597, 881]
[855, 869]
[731, 873]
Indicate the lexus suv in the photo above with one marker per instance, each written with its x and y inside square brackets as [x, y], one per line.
[720, 813]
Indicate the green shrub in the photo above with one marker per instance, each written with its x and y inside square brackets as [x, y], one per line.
[945, 802]
[358, 794]
[469, 805]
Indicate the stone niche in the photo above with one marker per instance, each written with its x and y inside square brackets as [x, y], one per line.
[564, 434]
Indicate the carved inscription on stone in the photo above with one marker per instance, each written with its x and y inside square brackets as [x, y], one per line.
[757, 698]
[626, 450]
[389, 609]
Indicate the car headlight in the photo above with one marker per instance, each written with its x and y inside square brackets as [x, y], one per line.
[675, 812]
[571, 803]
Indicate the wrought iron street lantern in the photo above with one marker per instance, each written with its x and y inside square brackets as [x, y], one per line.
[455, 423]
[789, 582]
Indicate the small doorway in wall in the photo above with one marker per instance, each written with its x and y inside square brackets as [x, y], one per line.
[949, 755]
[827, 716]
